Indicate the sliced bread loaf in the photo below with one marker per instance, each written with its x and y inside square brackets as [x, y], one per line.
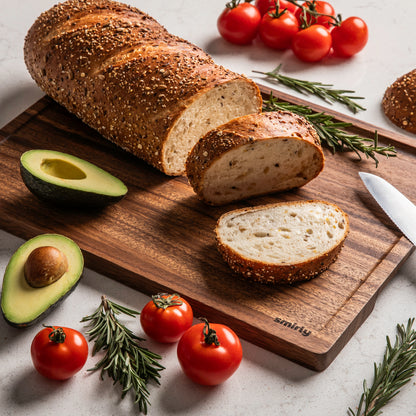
[122, 73]
[283, 242]
[253, 155]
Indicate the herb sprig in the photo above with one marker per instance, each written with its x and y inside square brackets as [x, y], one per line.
[333, 133]
[125, 361]
[324, 91]
[396, 369]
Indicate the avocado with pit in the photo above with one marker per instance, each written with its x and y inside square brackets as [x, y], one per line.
[39, 276]
[69, 181]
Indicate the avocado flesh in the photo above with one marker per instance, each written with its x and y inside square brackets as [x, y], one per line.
[23, 305]
[68, 180]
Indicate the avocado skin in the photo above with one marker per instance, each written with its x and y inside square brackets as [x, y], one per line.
[65, 197]
[43, 314]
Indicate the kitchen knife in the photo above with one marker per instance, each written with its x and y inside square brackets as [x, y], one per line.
[401, 211]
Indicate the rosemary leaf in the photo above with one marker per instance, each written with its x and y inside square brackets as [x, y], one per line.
[396, 369]
[324, 91]
[125, 361]
[333, 133]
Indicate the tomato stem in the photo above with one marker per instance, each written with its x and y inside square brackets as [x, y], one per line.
[234, 3]
[310, 9]
[164, 300]
[275, 13]
[210, 335]
[57, 335]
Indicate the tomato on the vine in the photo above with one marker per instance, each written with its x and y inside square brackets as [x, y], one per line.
[238, 23]
[312, 44]
[58, 352]
[283, 4]
[209, 353]
[278, 28]
[349, 37]
[265, 5]
[316, 6]
[166, 317]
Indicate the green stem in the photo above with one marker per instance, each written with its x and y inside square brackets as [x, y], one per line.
[396, 369]
[210, 335]
[326, 92]
[164, 300]
[57, 335]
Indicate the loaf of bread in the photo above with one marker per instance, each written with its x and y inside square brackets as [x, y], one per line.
[399, 102]
[284, 242]
[123, 74]
[254, 155]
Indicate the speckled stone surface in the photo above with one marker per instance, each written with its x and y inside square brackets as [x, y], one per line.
[265, 383]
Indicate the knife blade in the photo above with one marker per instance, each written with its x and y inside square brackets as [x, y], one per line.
[400, 210]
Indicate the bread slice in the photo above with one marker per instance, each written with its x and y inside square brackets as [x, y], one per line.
[122, 73]
[253, 155]
[399, 102]
[283, 242]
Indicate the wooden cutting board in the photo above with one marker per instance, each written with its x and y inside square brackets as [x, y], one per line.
[160, 237]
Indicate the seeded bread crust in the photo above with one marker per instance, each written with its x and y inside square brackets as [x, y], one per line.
[278, 273]
[399, 102]
[246, 130]
[122, 73]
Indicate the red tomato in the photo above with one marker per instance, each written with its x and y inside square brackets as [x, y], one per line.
[289, 6]
[350, 37]
[312, 44]
[166, 317]
[265, 5]
[317, 6]
[277, 31]
[238, 23]
[59, 353]
[209, 353]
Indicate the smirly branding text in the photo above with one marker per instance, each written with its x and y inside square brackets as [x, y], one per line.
[301, 329]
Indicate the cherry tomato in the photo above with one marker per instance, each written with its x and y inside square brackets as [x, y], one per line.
[266, 5]
[239, 22]
[209, 353]
[277, 30]
[318, 6]
[350, 37]
[166, 317]
[59, 353]
[289, 6]
[312, 44]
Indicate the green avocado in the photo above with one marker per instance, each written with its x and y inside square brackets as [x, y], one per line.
[23, 305]
[69, 181]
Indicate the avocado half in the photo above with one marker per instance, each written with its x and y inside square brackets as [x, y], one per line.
[23, 305]
[67, 180]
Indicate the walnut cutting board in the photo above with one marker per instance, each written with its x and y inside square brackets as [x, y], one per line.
[160, 237]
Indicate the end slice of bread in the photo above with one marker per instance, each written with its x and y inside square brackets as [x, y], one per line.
[253, 155]
[283, 242]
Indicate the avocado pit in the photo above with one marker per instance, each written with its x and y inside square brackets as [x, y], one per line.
[44, 266]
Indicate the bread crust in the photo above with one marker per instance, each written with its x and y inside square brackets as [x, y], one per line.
[241, 131]
[399, 102]
[120, 72]
[273, 273]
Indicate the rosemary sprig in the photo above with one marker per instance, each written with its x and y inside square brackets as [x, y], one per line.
[333, 133]
[323, 91]
[396, 369]
[125, 361]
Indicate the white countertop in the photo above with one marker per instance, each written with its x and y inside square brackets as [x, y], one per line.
[265, 383]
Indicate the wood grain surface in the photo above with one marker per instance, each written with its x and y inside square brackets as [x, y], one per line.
[160, 237]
